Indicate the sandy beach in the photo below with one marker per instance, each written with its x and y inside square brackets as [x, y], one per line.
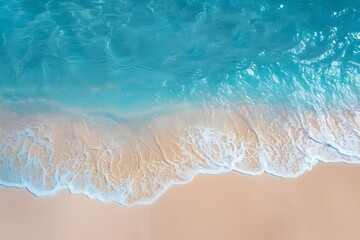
[179, 120]
[322, 204]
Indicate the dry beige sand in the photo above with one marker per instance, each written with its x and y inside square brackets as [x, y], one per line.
[322, 204]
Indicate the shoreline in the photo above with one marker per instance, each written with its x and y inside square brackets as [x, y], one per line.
[135, 164]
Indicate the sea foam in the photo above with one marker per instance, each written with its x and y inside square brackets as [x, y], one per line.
[134, 164]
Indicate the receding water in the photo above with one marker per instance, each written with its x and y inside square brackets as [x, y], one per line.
[120, 99]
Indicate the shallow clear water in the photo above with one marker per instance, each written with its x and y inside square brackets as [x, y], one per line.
[273, 66]
[124, 53]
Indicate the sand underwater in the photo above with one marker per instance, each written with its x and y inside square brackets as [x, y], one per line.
[119, 100]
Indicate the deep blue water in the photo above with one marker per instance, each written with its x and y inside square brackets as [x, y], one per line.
[128, 54]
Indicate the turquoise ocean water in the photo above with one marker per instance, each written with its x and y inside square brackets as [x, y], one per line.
[117, 59]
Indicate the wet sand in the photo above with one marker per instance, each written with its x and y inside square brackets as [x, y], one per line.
[133, 163]
[322, 204]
